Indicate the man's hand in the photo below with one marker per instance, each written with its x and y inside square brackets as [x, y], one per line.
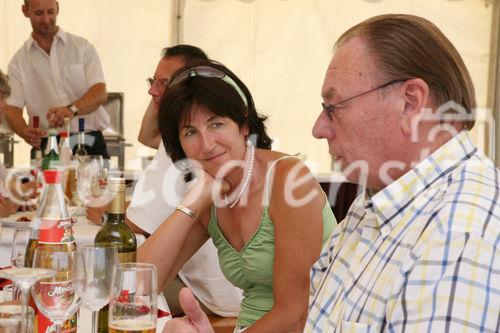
[195, 321]
[7, 207]
[33, 136]
[56, 115]
[94, 214]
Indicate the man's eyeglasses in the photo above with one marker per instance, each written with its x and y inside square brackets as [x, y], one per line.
[330, 109]
[210, 72]
[157, 82]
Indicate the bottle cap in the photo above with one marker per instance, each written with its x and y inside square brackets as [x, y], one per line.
[81, 124]
[63, 134]
[52, 176]
[36, 121]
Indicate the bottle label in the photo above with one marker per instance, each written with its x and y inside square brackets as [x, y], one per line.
[55, 231]
[127, 257]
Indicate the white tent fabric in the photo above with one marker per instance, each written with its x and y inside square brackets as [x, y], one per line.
[280, 48]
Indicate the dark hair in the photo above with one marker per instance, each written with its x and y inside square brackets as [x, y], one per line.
[408, 46]
[190, 54]
[213, 95]
[4, 85]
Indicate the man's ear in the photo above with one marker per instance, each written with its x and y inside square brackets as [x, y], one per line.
[25, 10]
[415, 93]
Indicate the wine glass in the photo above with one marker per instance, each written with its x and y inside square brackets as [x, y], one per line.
[134, 296]
[20, 239]
[24, 278]
[99, 262]
[90, 182]
[58, 298]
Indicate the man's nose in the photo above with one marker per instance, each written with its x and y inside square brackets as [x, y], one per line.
[46, 18]
[154, 90]
[323, 128]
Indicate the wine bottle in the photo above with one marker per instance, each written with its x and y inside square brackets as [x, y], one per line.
[51, 158]
[80, 147]
[116, 231]
[35, 153]
[65, 151]
[51, 232]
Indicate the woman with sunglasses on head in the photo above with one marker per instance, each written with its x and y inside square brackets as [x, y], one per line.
[264, 211]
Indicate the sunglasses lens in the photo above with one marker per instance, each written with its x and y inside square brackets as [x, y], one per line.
[206, 71]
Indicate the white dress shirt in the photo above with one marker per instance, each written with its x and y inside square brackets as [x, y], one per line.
[40, 81]
[155, 197]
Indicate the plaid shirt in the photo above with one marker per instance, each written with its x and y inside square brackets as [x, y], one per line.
[421, 255]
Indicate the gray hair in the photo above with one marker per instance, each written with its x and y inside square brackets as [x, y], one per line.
[4, 85]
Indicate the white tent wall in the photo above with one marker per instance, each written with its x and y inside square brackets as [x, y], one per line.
[128, 35]
[280, 48]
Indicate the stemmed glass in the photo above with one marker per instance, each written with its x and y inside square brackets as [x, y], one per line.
[20, 241]
[99, 262]
[90, 178]
[24, 278]
[134, 296]
[58, 298]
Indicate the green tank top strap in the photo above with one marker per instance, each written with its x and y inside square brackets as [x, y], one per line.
[269, 178]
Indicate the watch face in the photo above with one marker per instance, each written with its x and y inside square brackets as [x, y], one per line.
[74, 110]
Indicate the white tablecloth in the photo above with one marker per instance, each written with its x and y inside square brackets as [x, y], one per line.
[85, 234]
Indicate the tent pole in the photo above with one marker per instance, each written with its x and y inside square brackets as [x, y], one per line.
[493, 98]
[177, 12]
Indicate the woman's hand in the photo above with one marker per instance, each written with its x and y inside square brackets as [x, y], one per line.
[205, 191]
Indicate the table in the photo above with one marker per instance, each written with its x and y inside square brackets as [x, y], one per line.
[84, 233]
[83, 230]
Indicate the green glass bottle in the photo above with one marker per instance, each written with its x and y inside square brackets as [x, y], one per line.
[51, 158]
[115, 231]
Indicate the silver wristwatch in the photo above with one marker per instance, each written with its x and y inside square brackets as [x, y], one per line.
[73, 109]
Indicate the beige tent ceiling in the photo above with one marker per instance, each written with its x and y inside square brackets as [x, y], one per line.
[280, 48]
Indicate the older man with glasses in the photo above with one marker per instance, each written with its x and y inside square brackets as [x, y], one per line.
[419, 250]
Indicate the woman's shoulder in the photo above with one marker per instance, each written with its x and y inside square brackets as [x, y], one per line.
[282, 167]
[273, 158]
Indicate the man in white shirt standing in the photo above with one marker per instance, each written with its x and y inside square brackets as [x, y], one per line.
[56, 75]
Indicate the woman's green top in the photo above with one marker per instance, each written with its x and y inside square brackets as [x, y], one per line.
[251, 269]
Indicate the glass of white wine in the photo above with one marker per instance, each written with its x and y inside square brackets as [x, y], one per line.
[134, 298]
[99, 262]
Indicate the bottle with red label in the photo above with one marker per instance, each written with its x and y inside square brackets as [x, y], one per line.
[52, 231]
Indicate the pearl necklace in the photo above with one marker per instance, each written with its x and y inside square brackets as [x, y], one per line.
[245, 182]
